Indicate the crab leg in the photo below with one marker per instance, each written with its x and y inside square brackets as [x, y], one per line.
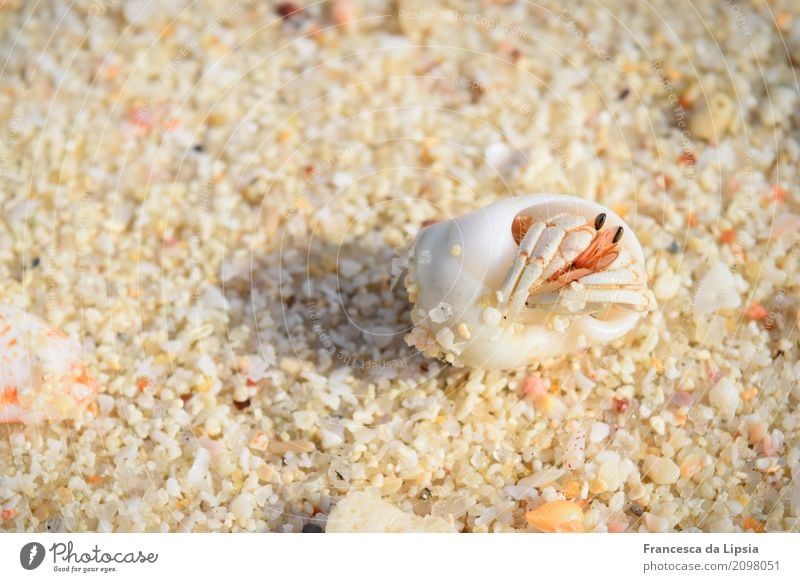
[621, 278]
[589, 265]
[542, 255]
[526, 233]
[623, 281]
[637, 297]
[571, 248]
[561, 242]
[529, 240]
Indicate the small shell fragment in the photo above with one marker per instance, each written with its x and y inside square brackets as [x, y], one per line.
[343, 13]
[366, 512]
[724, 396]
[716, 290]
[491, 316]
[441, 313]
[557, 517]
[259, 442]
[655, 523]
[712, 120]
[599, 431]
[42, 376]
[661, 470]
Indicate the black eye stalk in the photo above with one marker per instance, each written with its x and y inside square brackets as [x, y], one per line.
[599, 221]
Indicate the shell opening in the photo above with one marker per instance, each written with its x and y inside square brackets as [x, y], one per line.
[598, 255]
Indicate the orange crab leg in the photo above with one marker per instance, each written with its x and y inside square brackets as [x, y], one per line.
[600, 253]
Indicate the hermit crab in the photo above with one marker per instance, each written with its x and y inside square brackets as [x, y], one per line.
[41, 374]
[525, 279]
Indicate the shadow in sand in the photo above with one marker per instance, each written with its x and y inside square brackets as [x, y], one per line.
[340, 305]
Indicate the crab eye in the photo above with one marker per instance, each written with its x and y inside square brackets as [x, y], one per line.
[618, 235]
[600, 221]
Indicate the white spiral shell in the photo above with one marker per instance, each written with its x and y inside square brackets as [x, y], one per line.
[458, 267]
